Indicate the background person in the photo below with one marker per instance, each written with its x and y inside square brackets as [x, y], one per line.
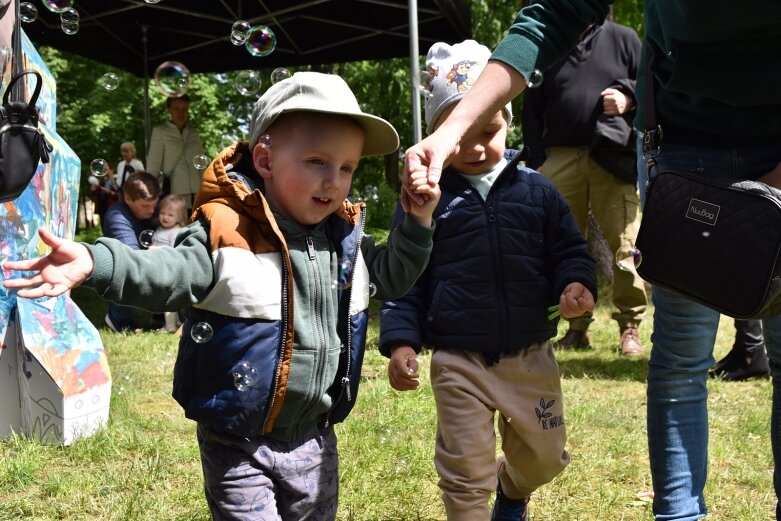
[590, 89]
[709, 126]
[129, 163]
[172, 147]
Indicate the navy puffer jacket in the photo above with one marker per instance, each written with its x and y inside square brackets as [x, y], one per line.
[496, 267]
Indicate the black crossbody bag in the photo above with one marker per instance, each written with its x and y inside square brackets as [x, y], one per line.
[712, 239]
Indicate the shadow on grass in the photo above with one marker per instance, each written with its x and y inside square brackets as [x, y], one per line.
[600, 366]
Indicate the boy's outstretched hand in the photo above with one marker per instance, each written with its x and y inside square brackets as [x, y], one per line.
[403, 369]
[68, 265]
[575, 300]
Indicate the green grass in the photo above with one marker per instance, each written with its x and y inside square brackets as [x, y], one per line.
[145, 466]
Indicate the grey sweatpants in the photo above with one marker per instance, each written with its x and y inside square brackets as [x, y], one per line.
[261, 479]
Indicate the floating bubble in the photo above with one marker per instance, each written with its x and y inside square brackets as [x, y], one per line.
[200, 161]
[239, 32]
[57, 6]
[372, 289]
[342, 272]
[201, 332]
[28, 12]
[279, 74]
[69, 28]
[69, 16]
[261, 41]
[628, 257]
[248, 82]
[535, 79]
[172, 78]
[145, 238]
[370, 194]
[98, 167]
[265, 139]
[244, 376]
[152, 1]
[400, 467]
[109, 81]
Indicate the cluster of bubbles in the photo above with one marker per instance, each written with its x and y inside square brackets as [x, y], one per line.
[145, 238]
[259, 40]
[69, 17]
[628, 257]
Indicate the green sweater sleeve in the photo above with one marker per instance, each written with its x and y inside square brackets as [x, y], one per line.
[546, 31]
[158, 279]
[395, 267]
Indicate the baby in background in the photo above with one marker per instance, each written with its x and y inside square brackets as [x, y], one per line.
[171, 218]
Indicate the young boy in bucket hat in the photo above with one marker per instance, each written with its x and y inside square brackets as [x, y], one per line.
[506, 252]
[275, 274]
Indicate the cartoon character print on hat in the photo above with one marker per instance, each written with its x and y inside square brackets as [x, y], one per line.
[461, 74]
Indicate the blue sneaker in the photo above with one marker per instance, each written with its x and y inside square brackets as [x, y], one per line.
[506, 509]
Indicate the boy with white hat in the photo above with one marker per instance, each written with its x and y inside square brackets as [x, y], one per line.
[506, 254]
[273, 232]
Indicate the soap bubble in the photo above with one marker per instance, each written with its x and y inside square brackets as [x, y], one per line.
[265, 139]
[342, 271]
[279, 74]
[372, 289]
[370, 194]
[145, 238]
[248, 82]
[628, 257]
[535, 79]
[261, 41]
[172, 78]
[152, 1]
[28, 12]
[69, 28]
[239, 32]
[57, 6]
[201, 332]
[109, 81]
[244, 376]
[200, 161]
[98, 167]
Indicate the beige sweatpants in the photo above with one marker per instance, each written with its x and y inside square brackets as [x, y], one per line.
[526, 391]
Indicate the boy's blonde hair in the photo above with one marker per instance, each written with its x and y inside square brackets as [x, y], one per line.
[178, 202]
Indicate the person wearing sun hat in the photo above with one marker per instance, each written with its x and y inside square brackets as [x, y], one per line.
[275, 318]
[507, 260]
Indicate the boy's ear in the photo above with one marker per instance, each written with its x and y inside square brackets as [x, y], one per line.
[261, 160]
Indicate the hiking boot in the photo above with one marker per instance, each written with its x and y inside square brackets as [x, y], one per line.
[573, 340]
[630, 342]
[506, 509]
[738, 365]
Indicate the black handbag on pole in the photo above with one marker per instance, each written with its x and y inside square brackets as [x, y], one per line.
[22, 145]
[712, 239]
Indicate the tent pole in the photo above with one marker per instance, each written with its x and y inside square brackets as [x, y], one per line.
[414, 69]
[147, 131]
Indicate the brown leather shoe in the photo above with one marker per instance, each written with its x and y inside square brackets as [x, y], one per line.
[630, 342]
[573, 340]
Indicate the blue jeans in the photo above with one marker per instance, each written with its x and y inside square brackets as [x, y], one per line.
[683, 336]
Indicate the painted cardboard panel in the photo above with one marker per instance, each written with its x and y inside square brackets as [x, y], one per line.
[64, 377]
[47, 100]
[10, 404]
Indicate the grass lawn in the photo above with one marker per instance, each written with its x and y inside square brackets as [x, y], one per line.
[144, 465]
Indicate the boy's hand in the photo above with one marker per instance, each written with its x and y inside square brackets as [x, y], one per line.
[430, 156]
[429, 197]
[68, 265]
[575, 300]
[403, 368]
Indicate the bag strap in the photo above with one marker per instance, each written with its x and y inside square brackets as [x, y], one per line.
[652, 136]
[16, 78]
